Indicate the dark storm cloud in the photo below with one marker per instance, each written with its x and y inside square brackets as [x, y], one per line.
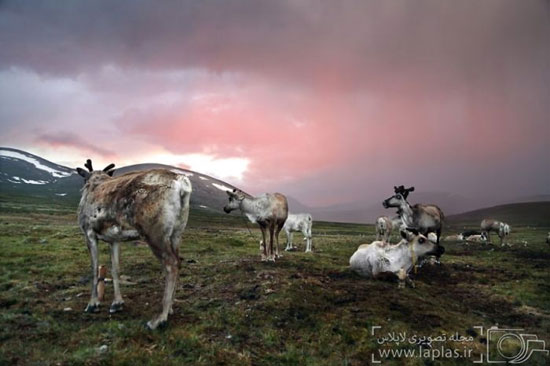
[379, 44]
[444, 94]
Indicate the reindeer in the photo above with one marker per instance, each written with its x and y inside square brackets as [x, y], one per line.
[149, 205]
[298, 222]
[383, 228]
[424, 218]
[269, 211]
[375, 259]
[502, 229]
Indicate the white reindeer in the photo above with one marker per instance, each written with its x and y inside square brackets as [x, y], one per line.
[383, 228]
[269, 211]
[378, 258]
[501, 228]
[298, 223]
[149, 205]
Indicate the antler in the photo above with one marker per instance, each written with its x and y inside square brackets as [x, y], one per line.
[109, 167]
[89, 165]
[403, 191]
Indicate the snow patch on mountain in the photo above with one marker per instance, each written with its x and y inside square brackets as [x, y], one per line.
[221, 187]
[7, 154]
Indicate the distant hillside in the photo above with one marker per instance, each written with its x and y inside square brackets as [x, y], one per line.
[524, 214]
[31, 177]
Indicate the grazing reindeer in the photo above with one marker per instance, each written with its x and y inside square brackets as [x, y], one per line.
[375, 259]
[149, 205]
[424, 218]
[502, 229]
[270, 211]
[298, 222]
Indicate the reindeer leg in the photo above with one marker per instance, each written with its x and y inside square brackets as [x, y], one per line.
[93, 304]
[271, 252]
[308, 245]
[404, 279]
[168, 254]
[277, 231]
[402, 276]
[263, 245]
[288, 240]
[171, 267]
[118, 303]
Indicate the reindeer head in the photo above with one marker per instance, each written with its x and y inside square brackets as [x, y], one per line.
[107, 171]
[504, 229]
[235, 198]
[422, 245]
[394, 201]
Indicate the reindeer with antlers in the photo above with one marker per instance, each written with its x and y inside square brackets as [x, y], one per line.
[149, 205]
[424, 218]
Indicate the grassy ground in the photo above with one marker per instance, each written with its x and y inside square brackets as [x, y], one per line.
[305, 309]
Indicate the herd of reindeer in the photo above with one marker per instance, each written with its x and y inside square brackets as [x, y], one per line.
[153, 206]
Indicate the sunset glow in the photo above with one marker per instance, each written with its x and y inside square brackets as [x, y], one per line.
[446, 97]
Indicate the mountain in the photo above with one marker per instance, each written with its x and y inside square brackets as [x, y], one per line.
[24, 174]
[525, 213]
[28, 175]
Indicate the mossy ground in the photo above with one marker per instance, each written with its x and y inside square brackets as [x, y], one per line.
[305, 309]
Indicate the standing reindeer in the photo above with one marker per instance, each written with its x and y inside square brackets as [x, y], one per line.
[149, 205]
[424, 218]
[383, 228]
[298, 222]
[270, 211]
[502, 229]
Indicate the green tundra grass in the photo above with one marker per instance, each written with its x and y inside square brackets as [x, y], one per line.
[232, 309]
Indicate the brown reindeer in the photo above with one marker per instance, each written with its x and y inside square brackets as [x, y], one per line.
[424, 218]
[270, 211]
[149, 205]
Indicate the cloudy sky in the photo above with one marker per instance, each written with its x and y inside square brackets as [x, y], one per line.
[327, 101]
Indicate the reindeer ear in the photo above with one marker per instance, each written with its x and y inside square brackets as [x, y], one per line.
[110, 172]
[229, 193]
[84, 174]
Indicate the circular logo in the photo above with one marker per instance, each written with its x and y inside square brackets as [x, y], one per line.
[510, 346]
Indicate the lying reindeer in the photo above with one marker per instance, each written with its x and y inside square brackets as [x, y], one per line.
[378, 258]
[149, 205]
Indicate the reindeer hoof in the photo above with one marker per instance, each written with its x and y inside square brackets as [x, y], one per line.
[116, 307]
[91, 309]
[157, 324]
